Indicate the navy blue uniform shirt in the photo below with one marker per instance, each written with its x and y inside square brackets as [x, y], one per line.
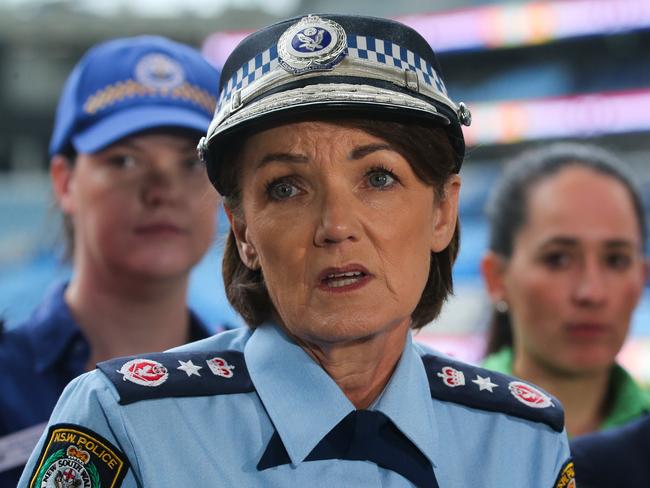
[617, 457]
[37, 360]
[251, 408]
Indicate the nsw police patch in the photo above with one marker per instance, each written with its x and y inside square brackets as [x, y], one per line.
[567, 476]
[75, 457]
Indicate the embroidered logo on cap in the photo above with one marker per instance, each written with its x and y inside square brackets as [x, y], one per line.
[160, 72]
[220, 367]
[529, 395]
[452, 377]
[144, 372]
[312, 44]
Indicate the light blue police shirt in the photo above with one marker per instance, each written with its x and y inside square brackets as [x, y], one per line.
[174, 427]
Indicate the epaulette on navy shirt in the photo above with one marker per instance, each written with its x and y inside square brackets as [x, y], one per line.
[252, 408]
[169, 372]
[475, 387]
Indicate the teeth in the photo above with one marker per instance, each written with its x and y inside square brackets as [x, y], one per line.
[340, 283]
[349, 274]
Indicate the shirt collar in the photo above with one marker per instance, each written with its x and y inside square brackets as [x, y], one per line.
[53, 328]
[303, 402]
[406, 400]
[297, 392]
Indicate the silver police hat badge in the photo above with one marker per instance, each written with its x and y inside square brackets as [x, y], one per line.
[312, 44]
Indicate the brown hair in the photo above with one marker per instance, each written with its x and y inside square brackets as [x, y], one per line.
[433, 160]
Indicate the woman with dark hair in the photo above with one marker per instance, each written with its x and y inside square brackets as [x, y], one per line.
[565, 270]
[337, 151]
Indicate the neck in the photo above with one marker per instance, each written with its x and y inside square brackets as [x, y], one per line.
[583, 396]
[127, 317]
[361, 367]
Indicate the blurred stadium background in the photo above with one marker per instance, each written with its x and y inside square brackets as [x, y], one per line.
[530, 72]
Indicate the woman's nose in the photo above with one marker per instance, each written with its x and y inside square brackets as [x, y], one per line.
[337, 220]
[161, 184]
[591, 288]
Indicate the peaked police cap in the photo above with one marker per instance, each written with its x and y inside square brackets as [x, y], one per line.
[341, 65]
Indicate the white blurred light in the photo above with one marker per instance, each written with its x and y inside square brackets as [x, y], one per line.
[165, 8]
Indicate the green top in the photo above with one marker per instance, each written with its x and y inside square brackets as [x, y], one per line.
[630, 400]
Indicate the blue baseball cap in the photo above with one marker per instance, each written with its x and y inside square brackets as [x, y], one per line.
[124, 86]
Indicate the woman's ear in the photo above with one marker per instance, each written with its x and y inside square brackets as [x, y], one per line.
[493, 270]
[446, 215]
[247, 251]
[61, 174]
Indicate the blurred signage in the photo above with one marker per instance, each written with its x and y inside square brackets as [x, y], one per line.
[573, 116]
[499, 25]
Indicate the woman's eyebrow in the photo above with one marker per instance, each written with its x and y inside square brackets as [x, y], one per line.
[125, 144]
[282, 158]
[362, 151]
[619, 243]
[573, 241]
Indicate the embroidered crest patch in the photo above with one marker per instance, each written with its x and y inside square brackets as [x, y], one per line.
[75, 457]
[159, 71]
[452, 377]
[220, 367]
[144, 372]
[529, 395]
[566, 478]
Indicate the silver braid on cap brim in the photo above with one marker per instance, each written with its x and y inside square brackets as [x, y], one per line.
[326, 93]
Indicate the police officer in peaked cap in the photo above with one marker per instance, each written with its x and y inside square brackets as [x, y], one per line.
[337, 151]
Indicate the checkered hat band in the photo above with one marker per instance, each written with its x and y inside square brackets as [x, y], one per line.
[360, 47]
[391, 54]
[257, 67]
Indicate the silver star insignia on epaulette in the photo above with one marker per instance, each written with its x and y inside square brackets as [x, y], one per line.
[189, 367]
[484, 383]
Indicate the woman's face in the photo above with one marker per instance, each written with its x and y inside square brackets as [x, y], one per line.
[341, 228]
[141, 207]
[576, 273]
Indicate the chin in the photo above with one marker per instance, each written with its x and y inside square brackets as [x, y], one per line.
[346, 327]
[591, 362]
[159, 268]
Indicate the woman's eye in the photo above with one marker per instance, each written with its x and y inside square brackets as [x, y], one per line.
[281, 190]
[556, 260]
[618, 261]
[123, 161]
[381, 178]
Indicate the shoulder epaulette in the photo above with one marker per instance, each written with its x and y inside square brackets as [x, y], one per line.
[453, 381]
[178, 374]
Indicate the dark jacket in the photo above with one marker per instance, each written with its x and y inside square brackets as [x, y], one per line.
[613, 458]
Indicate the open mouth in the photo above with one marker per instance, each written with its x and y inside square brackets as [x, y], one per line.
[344, 279]
[339, 280]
